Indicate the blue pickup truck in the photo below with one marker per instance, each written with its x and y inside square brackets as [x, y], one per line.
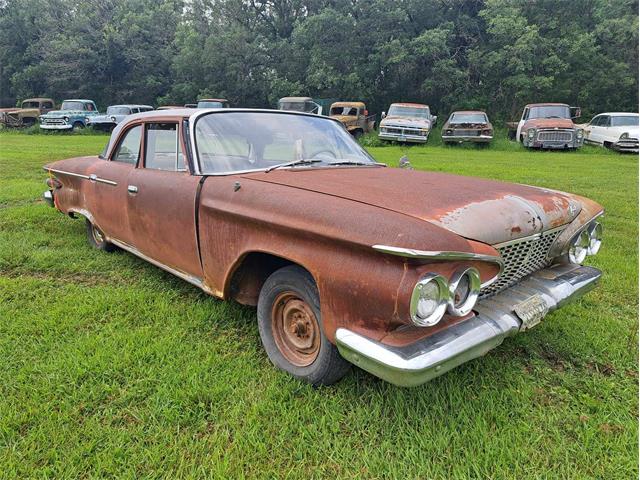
[72, 115]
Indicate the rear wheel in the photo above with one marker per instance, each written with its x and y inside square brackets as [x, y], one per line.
[291, 330]
[97, 239]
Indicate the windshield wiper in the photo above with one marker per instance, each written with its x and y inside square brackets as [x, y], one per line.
[302, 161]
[353, 162]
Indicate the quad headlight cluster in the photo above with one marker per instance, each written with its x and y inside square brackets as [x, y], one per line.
[587, 242]
[433, 295]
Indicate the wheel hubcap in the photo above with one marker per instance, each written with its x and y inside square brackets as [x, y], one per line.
[295, 329]
[97, 234]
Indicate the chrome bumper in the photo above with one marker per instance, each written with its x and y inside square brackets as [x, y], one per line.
[48, 197]
[467, 138]
[64, 126]
[494, 321]
[399, 137]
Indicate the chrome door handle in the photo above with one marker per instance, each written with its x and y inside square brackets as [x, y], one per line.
[93, 177]
[132, 189]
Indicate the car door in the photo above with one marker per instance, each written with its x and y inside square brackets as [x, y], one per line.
[161, 199]
[525, 115]
[589, 129]
[598, 131]
[106, 192]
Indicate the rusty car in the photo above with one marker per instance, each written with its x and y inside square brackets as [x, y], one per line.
[407, 122]
[467, 126]
[27, 114]
[300, 104]
[354, 116]
[547, 126]
[404, 273]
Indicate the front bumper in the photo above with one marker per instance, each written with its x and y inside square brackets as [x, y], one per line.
[467, 138]
[495, 320]
[627, 145]
[64, 126]
[401, 137]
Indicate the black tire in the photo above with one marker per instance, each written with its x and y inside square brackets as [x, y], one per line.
[357, 134]
[96, 238]
[607, 145]
[77, 126]
[327, 366]
[511, 135]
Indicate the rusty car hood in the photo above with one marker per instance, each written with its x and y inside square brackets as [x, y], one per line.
[548, 123]
[477, 209]
[394, 121]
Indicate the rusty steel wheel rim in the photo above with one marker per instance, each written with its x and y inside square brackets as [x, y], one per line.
[295, 329]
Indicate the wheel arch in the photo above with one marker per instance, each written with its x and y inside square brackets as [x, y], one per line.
[251, 270]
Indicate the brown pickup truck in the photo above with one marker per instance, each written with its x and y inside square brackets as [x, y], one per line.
[547, 125]
[27, 114]
[354, 116]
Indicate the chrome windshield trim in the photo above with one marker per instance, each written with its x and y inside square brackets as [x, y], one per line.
[92, 178]
[437, 255]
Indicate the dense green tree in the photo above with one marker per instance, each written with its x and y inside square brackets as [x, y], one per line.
[491, 54]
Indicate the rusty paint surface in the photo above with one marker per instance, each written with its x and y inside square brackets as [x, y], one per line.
[324, 219]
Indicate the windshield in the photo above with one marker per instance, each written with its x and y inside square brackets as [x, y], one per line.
[411, 112]
[210, 105]
[349, 111]
[72, 105]
[118, 111]
[549, 111]
[468, 118]
[626, 121]
[298, 106]
[240, 141]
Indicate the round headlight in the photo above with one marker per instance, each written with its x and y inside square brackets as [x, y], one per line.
[579, 133]
[113, 119]
[595, 238]
[464, 288]
[531, 132]
[66, 119]
[624, 136]
[429, 300]
[580, 248]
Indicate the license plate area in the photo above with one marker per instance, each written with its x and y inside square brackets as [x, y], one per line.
[531, 311]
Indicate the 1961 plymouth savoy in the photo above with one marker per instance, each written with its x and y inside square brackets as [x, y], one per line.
[403, 273]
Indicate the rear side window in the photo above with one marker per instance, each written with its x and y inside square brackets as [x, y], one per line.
[128, 151]
[163, 150]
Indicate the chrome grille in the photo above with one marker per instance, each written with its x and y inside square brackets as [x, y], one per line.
[522, 258]
[466, 132]
[555, 136]
[404, 131]
[53, 121]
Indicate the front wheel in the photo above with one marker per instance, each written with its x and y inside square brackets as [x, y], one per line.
[97, 239]
[77, 126]
[290, 328]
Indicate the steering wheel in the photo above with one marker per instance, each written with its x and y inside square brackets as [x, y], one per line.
[321, 152]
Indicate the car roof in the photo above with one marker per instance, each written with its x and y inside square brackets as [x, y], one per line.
[546, 104]
[468, 111]
[135, 105]
[347, 104]
[409, 104]
[295, 99]
[619, 114]
[213, 100]
[38, 99]
[77, 100]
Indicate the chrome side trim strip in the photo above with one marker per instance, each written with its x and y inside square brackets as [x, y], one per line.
[437, 255]
[91, 178]
[184, 276]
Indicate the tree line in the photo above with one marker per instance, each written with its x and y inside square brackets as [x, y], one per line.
[452, 54]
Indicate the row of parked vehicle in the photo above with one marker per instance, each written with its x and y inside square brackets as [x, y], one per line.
[541, 125]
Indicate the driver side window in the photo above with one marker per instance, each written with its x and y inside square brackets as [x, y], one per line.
[128, 151]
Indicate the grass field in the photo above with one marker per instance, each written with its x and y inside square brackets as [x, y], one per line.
[111, 367]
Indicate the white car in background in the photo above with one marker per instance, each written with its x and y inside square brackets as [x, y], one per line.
[615, 130]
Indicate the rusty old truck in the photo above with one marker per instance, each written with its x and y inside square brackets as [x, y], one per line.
[547, 126]
[27, 114]
[354, 116]
[404, 273]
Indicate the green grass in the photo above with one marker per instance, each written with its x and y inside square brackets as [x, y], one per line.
[111, 367]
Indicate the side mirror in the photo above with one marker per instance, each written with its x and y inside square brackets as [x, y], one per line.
[384, 115]
[576, 112]
[434, 119]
